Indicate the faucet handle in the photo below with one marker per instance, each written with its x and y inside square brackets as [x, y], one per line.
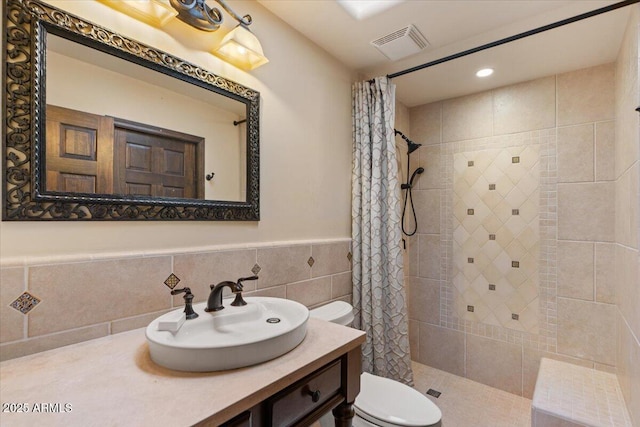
[188, 299]
[238, 301]
[187, 291]
[243, 279]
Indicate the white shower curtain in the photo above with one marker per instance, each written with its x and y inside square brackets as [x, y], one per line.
[378, 291]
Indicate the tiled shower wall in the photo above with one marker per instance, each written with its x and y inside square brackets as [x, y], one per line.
[49, 303]
[570, 118]
[627, 265]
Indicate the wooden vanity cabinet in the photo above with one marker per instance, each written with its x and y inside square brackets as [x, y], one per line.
[335, 385]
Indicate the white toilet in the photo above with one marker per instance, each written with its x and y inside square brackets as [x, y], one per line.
[382, 402]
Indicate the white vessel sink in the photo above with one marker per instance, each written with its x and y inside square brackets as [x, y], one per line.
[235, 337]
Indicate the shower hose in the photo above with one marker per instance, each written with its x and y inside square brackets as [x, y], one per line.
[408, 199]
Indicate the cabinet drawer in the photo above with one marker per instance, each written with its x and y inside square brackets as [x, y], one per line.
[305, 396]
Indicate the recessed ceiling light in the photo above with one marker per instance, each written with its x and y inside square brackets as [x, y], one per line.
[362, 9]
[485, 72]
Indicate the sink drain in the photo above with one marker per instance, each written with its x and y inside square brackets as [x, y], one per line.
[273, 320]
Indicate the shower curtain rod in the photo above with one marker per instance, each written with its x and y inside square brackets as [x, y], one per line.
[515, 37]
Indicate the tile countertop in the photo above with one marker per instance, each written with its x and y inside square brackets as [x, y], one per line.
[112, 381]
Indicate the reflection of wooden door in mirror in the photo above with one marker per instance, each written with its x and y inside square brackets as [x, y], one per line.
[79, 154]
[157, 162]
[87, 153]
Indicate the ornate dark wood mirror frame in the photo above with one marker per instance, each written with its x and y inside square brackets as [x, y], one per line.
[26, 25]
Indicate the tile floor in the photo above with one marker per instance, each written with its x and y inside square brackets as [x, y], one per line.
[466, 403]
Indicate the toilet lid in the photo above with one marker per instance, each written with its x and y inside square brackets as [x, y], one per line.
[339, 312]
[387, 402]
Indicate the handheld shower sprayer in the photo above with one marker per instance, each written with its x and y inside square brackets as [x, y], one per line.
[413, 176]
[408, 197]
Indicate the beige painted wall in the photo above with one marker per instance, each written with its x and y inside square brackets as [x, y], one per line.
[305, 147]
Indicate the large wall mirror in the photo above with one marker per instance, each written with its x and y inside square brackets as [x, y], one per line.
[99, 126]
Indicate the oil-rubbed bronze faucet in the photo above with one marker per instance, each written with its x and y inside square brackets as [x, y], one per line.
[214, 303]
[188, 300]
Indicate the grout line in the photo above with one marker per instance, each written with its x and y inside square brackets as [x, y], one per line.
[25, 320]
[595, 154]
[595, 271]
[493, 112]
[522, 369]
[464, 337]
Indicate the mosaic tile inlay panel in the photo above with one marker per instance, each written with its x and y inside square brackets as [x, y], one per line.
[502, 236]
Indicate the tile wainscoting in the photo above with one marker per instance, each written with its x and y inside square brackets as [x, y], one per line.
[59, 301]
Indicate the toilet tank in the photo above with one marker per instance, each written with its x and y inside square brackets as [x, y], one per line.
[339, 312]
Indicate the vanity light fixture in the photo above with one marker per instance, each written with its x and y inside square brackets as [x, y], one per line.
[242, 48]
[197, 14]
[153, 12]
[485, 72]
[239, 47]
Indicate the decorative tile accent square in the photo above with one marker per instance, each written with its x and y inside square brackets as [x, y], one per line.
[470, 163]
[470, 260]
[492, 287]
[349, 256]
[470, 308]
[470, 211]
[256, 269]
[311, 261]
[515, 159]
[172, 281]
[492, 186]
[25, 303]
[515, 264]
[492, 237]
[515, 316]
[515, 211]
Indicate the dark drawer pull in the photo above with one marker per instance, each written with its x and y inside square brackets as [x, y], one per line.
[315, 395]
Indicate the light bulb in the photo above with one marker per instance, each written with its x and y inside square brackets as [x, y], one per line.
[485, 72]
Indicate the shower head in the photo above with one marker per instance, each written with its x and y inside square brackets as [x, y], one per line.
[411, 146]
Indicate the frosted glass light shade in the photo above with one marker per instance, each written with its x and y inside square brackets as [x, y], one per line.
[241, 48]
[153, 12]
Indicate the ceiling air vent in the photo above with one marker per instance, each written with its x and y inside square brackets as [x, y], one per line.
[401, 43]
